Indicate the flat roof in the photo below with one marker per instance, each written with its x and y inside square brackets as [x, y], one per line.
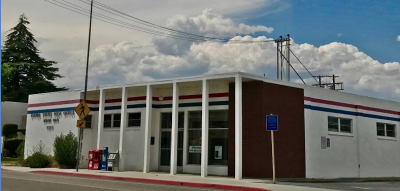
[214, 76]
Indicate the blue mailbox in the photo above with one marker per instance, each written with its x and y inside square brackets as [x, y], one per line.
[104, 159]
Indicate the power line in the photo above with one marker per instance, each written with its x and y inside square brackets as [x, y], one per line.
[78, 9]
[291, 66]
[146, 22]
[161, 27]
[303, 65]
[121, 23]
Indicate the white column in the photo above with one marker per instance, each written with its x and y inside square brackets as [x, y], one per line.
[174, 130]
[147, 129]
[101, 116]
[204, 130]
[122, 130]
[185, 138]
[238, 127]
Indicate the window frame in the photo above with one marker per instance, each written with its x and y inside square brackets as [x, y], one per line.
[385, 130]
[140, 120]
[87, 121]
[339, 119]
[219, 129]
[112, 121]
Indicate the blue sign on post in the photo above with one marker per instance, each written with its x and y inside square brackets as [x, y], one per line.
[272, 123]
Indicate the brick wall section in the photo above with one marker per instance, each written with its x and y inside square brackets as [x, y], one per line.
[260, 99]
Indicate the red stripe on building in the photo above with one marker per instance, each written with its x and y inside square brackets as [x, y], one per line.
[119, 100]
[92, 101]
[196, 96]
[353, 106]
[53, 103]
[141, 98]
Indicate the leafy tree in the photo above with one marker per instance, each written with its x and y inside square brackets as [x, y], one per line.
[29, 73]
[5, 73]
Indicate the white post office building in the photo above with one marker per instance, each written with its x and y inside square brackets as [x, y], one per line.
[215, 125]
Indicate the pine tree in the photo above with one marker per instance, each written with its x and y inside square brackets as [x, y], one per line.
[29, 73]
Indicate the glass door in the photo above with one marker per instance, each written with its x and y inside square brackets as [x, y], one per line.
[165, 147]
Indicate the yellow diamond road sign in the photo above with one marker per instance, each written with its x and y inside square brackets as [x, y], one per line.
[81, 123]
[82, 110]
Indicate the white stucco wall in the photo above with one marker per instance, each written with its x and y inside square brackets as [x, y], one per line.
[359, 154]
[37, 130]
[12, 112]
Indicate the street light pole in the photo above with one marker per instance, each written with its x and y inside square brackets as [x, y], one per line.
[80, 132]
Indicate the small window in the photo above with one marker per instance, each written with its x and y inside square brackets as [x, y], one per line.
[117, 120]
[134, 119]
[112, 120]
[385, 130]
[336, 124]
[107, 121]
[88, 120]
[166, 120]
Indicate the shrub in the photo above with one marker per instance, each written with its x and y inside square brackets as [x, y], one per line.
[65, 150]
[20, 149]
[12, 145]
[38, 160]
[10, 130]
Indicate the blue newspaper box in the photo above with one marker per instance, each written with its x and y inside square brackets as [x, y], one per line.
[104, 159]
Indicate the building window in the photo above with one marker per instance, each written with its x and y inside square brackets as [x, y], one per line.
[218, 137]
[134, 119]
[112, 120]
[386, 130]
[194, 131]
[336, 124]
[88, 120]
[166, 126]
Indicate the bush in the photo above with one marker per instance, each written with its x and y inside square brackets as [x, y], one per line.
[10, 130]
[65, 150]
[20, 149]
[38, 160]
[12, 145]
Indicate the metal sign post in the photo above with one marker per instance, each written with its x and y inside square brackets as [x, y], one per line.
[80, 132]
[272, 125]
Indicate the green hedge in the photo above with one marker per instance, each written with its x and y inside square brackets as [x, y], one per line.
[12, 145]
[38, 160]
[65, 150]
[9, 130]
[20, 149]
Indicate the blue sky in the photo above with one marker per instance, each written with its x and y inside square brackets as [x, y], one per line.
[372, 26]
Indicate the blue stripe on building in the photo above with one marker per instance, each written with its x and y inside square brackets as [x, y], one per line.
[317, 108]
[156, 106]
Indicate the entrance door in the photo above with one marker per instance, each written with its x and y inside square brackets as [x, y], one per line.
[165, 147]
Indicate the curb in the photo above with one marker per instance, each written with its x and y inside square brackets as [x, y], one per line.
[153, 181]
[341, 180]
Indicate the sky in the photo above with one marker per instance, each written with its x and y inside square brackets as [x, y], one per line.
[357, 40]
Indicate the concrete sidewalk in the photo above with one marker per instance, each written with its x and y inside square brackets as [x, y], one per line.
[189, 180]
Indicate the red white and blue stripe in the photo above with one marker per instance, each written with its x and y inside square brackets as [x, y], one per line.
[216, 99]
[350, 109]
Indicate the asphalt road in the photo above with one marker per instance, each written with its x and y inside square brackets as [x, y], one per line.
[21, 181]
[353, 186]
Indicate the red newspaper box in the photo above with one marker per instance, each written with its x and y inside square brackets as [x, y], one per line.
[90, 160]
[96, 159]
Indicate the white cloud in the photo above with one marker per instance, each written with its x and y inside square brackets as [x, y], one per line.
[208, 24]
[398, 38]
[134, 60]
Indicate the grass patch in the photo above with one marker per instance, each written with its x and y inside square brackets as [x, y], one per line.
[9, 161]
